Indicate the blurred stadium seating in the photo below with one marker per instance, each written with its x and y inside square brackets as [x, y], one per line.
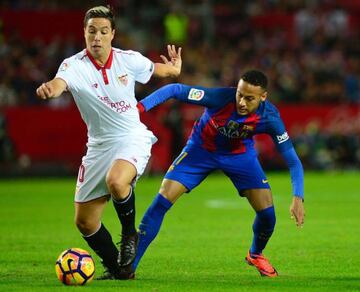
[311, 54]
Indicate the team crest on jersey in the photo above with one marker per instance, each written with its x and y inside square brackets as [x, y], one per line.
[123, 79]
[64, 66]
[196, 94]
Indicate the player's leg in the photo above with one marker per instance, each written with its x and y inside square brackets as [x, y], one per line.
[188, 170]
[264, 223]
[249, 179]
[88, 221]
[263, 227]
[150, 224]
[119, 181]
[129, 161]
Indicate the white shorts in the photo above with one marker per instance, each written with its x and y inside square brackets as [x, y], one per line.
[96, 163]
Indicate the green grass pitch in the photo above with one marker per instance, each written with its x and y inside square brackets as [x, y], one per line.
[203, 240]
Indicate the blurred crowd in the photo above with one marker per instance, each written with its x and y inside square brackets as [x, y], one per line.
[312, 58]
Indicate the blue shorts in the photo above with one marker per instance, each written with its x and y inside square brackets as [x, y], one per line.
[194, 164]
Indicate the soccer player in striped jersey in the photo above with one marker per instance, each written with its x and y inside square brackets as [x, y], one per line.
[222, 139]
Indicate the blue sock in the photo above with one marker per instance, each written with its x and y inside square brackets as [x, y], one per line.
[150, 225]
[263, 228]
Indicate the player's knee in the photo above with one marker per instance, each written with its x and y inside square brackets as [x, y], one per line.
[86, 226]
[118, 188]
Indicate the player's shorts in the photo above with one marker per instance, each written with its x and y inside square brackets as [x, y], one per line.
[96, 163]
[194, 164]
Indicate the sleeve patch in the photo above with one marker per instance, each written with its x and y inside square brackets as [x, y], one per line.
[196, 94]
[64, 66]
[282, 138]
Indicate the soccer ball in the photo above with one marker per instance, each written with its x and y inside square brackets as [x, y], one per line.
[75, 266]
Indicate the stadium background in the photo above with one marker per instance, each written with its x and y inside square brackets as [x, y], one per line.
[309, 49]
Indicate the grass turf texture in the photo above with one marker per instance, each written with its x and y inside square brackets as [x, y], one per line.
[203, 240]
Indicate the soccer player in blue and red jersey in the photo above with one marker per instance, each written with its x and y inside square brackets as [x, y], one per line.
[222, 139]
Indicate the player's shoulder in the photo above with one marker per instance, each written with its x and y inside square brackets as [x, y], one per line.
[269, 111]
[125, 53]
[76, 58]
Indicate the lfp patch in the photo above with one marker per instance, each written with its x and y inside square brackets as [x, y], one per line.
[196, 94]
[64, 66]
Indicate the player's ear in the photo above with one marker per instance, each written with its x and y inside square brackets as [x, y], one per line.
[263, 96]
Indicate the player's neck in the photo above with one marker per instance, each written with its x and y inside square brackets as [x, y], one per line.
[102, 59]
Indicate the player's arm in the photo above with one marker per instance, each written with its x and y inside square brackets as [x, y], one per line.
[284, 145]
[172, 66]
[293, 162]
[208, 97]
[51, 89]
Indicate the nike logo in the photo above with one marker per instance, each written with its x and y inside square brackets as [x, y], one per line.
[264, 181]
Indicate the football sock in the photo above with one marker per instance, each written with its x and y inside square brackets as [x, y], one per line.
[101, 242]
[125, 209]
[263, 228]
[150, 225]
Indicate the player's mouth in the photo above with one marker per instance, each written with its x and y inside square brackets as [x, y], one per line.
[242, 111]
[96, 47]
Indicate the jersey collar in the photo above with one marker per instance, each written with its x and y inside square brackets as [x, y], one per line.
[97, 66]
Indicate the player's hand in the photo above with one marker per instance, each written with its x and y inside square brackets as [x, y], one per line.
[297, 211]
[174, 59]
[45, 91]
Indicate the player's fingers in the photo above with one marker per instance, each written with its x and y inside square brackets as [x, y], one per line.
[179, 52]
[170, 53]
[165, 60]
[41, 91]
[291, 213]
[300, 219]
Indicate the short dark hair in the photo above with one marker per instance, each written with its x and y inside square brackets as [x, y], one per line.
[255, 77]
[100, 12]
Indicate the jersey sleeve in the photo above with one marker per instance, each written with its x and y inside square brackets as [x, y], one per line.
[277, 131]
[143, 68]
[296, 172]
[208, 97]
[66, 72]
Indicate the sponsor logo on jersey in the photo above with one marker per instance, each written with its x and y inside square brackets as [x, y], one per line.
[196, 94]
[282, 138]
[235, 130]
[118, 106]
[95, 85]
[64, 66]
[123, 79]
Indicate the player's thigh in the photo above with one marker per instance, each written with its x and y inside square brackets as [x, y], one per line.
[121, 174]
[245, 172]
[259, 199]
[88, 214]
[172, 190]
[136, 151]
[191, 167]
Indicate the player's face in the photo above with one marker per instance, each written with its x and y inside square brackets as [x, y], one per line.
[248, 97]
[98, 37]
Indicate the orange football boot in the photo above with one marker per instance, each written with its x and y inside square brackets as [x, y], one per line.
[262, 264]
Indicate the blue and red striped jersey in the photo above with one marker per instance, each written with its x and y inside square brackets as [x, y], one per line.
[220, 128]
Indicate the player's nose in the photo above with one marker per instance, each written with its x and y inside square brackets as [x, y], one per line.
[97, 36]
[242, 102]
